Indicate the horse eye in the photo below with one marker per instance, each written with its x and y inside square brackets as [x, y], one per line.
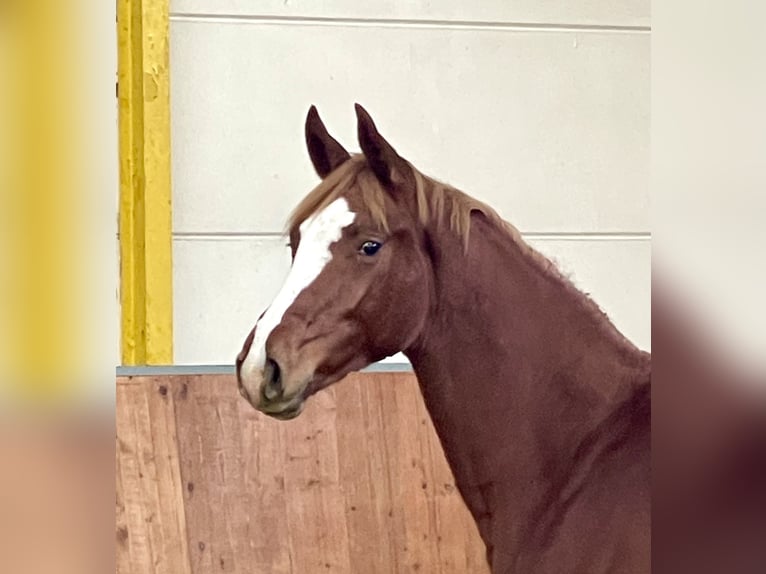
[370, 248]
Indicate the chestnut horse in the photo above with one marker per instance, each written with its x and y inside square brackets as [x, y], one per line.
[541, 405]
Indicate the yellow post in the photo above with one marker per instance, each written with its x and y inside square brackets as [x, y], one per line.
[145, 193]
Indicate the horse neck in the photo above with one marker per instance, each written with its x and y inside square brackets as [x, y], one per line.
[516, 368]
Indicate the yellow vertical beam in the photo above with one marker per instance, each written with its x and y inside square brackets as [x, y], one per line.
[145, 193]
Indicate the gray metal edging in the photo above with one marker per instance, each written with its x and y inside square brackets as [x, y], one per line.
[154, 370]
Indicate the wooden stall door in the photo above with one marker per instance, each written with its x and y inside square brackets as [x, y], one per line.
[357, 484]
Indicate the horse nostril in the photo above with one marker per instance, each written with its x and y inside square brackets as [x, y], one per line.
[273, 377]
[275, 373]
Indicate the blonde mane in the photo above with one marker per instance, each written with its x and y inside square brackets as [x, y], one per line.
[435, 200]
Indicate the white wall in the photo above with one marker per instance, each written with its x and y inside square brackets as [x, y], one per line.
[541, 109]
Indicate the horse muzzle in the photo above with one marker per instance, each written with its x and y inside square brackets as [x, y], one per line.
[270, 391]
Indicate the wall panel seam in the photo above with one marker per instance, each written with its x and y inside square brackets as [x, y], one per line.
[404, 23]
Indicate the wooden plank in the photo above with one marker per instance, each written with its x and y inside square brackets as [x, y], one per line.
[316, 510]
[231, 464]
[151, 523]
[263, 451]
[408, 473]
[123, 557]
[363, 474]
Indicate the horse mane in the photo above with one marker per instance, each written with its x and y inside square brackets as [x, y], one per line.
[436, 201]
[439, 202]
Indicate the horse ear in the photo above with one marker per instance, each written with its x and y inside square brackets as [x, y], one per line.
[325, 152]
[381, 157]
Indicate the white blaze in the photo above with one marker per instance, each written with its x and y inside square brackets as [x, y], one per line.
[318, 233]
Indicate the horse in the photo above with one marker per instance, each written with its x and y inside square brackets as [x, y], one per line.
[542, 407]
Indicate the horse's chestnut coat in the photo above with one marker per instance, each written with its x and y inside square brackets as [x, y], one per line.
[542, 406]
